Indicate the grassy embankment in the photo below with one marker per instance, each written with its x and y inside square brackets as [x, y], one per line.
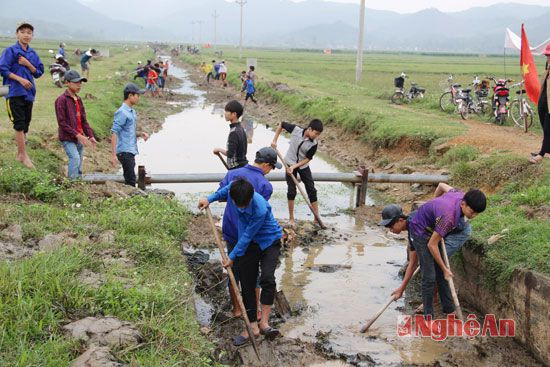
[323, 86]
[39, 294]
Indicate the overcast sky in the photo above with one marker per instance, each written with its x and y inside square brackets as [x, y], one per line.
[408, 6]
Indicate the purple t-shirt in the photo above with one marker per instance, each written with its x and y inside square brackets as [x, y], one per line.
[441, 215]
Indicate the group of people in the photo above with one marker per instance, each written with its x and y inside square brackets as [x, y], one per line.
[218, 71]
[252, 233]
[154, 76]
[215, 71]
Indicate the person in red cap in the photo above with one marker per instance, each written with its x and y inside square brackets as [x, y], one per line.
[544, 108]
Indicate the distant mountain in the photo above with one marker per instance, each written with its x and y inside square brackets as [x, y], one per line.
[69, 19]
[284, 23]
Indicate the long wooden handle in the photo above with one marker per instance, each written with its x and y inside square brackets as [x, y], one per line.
[375, 317]
[451, 282]
[234, 284]
[223, 161]
[317, 216]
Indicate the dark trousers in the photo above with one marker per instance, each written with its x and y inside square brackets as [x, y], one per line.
[128, 162]
[307, 179]
[431, 275]
[251, 96]
[20, 113]
[208, 76]
[544, 117]
[254, 259]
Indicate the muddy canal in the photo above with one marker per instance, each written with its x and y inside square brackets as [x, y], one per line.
[330, 303]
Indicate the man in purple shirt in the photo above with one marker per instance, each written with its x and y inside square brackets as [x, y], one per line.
[442, 217]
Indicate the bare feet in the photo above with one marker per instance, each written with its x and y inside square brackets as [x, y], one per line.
[236, 312]
[536, 159]
[25, 160]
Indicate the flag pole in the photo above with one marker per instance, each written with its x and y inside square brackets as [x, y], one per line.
[505, 62]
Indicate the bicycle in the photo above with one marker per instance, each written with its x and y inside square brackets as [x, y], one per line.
[466, 104]
[481, 88]
[400, 96]
[522, 113]
[448, 102]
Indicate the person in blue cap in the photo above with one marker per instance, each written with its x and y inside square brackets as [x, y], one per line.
[257, 251]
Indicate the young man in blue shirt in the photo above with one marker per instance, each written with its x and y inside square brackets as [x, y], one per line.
[258, 246]
[266, 160]
[85, 60]
[19, 65]
[61, 50]
[124, 134]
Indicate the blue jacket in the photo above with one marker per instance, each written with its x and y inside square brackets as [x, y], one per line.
[124, 125]
[9, 63]
[61, 51]
[262, 186]
[255, 223]
[250, 86]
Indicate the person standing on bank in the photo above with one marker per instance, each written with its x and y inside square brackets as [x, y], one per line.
[74, 131]
[303, 146]
[19, 65]
[124, 134]
[544, 110]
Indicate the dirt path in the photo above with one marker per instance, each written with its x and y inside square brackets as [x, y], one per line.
[489, 137]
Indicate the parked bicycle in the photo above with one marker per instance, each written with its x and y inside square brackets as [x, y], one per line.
[449, 99]
[481, 88]
[466, 105]
[400, 96]
[521, 111]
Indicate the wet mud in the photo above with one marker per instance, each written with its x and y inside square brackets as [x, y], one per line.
[333, 280]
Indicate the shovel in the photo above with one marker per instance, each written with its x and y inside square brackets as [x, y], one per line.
[317, 216]
[223, 160]
[375, 317]
[451, 282]
[234, 285]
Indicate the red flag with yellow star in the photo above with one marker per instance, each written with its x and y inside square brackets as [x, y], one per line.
[529, 69]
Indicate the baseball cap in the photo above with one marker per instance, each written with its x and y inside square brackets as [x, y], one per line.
[389, 214]
[24, 24]
[74, 77]
[268, 155]
[132, 88]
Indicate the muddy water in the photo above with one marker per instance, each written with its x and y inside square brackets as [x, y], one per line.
[336, 302]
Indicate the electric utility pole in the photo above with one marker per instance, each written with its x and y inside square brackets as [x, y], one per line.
[359, 62]
[241, 3]
[215, 16]
[193, 31]
[200, 23]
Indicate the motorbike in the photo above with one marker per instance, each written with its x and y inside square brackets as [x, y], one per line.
[400, 95]
[501, 101]
[58, 70]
